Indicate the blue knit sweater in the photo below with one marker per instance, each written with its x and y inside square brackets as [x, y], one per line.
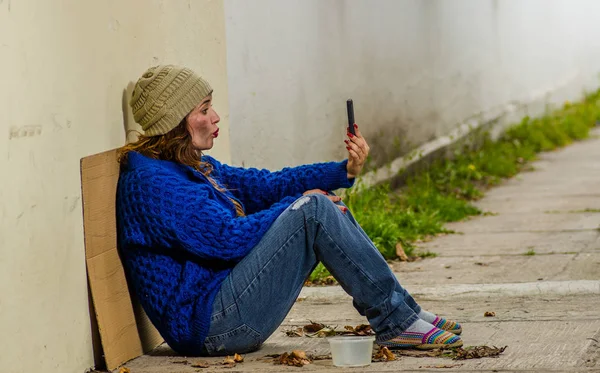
[179, 237]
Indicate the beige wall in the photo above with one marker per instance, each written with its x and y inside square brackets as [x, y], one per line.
[414, 68]
[63, 67]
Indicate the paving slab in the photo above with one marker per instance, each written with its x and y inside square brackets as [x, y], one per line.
[511, 243]
[549, 190]
[524, 324]
[581, 265]
[489, 269]
[531, 203]
[567, 180]
[529, 223]
[499, 269]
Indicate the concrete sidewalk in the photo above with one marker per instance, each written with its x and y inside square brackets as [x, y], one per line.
[547, 304]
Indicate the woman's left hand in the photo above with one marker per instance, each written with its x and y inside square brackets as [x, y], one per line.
[358, 150]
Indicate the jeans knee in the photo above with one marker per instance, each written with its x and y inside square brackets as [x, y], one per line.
[312, 200]
[314, 205]
[301, 203]
[323, 201]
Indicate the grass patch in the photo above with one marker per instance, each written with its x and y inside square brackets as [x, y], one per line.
[529, 252]
[427, 254]
[319, 273]
[443, 191]
[585, 211]
[588, 210]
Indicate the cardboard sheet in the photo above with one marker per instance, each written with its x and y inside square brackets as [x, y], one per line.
[123, 336]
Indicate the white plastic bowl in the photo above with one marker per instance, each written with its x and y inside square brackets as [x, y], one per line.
[351, 351]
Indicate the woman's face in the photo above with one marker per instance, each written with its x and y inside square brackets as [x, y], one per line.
[202, 124]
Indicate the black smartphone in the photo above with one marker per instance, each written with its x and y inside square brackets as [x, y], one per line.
[350, 107]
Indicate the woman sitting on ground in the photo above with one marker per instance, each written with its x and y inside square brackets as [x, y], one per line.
[217, 255]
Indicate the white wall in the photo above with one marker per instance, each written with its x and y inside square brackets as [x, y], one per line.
[414, 68]
[63, 67]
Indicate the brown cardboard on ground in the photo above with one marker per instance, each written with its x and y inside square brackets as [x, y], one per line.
[122, 337]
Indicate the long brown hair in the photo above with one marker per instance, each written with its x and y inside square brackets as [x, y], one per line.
[175, 145]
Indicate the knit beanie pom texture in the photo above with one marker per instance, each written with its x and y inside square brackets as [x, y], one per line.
[164, 95]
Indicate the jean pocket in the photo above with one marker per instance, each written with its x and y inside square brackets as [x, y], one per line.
[242, 339]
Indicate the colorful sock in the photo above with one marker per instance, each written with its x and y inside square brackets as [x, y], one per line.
[440, 322]
[423, 335]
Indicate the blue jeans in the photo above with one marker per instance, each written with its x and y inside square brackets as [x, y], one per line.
[259, 292]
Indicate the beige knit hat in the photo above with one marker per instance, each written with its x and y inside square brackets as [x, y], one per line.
[164, 95]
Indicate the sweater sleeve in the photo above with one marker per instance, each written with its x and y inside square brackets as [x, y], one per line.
[161, 211]
[259, 189]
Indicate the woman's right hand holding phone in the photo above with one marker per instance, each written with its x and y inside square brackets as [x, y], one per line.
[358, 151]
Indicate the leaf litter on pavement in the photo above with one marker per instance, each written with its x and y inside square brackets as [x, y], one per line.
[318, 330]
[299, 358]
[296, 358]
[470, 352]
[228, 362]
[477, 352]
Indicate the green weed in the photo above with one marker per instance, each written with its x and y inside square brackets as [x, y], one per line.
[427, 254]
[442, 192]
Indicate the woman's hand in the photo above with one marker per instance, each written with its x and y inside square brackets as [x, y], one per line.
[333, 199]
[358, 150]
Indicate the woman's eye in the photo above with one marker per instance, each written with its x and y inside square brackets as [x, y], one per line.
[205, 111]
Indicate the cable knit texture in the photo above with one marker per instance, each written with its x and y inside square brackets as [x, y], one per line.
[179, 237]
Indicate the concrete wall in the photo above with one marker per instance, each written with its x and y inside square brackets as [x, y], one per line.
[63, 67]
[415, 69]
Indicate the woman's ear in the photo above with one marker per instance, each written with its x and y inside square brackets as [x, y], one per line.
[132, 129]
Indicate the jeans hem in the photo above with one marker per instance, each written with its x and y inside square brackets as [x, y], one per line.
[396, 330]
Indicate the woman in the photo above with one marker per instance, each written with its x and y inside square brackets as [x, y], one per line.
[217, 254]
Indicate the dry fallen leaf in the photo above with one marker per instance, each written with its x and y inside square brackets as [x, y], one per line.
[319, 357]
[330, 280]
[228, 360]
[384, 354]
[200, 364]
[313, 327]
[489, 314]
[477, 352]
[400, 252]
[124, 370]
[481, 264]
[362, 329]
[389, 355]
[238, 358]
[318, 330]
[298, 332]
[296, 358]
[299, 354]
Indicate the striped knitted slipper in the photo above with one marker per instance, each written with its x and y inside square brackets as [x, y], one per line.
[435, 338]
[447, 325]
